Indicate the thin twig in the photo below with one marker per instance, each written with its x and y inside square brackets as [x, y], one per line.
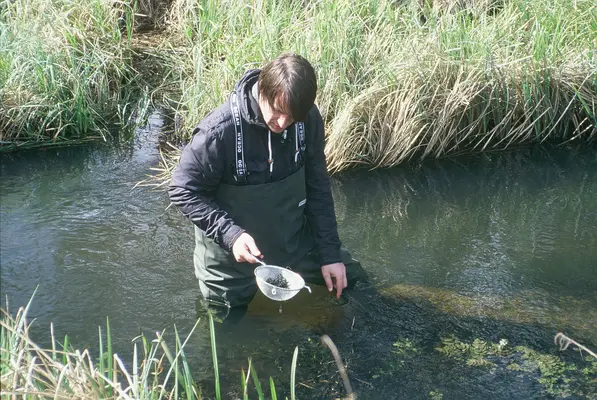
[325, 339]
[564, 341]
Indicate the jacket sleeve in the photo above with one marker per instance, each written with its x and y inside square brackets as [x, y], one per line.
[320, 204]
[194, 184]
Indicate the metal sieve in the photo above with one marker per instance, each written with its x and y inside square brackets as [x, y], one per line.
[267, 275]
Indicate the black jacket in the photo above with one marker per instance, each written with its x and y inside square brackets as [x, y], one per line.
[209, 160]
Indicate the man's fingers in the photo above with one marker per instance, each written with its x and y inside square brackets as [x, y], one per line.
[340, 284]
[245, 249]
[247, 256]
[338, 291]
[253, 249]
[328, 280]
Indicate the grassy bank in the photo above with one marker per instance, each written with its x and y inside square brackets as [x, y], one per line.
[404, 80]
[398, 80]
[66, 71]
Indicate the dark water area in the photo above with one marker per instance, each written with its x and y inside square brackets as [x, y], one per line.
[498, 247]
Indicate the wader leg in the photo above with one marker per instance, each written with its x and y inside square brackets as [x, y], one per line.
[219, 313]
[223, 281]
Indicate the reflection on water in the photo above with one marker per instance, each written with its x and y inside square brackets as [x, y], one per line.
[500, 246]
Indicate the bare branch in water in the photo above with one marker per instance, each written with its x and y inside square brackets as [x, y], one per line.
[325, 339]
[564, 341]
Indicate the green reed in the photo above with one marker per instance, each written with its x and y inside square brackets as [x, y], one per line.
[155, 372]
[406, 80]
[66, 70]
[398, 80]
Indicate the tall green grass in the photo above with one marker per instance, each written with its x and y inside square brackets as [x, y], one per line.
[62, 372]
[398, 80]
[404, 80]
[66, 70]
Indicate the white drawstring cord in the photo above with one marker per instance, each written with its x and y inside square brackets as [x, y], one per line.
[296, 153]
[269, 147]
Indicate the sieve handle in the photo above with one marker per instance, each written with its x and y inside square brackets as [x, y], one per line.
[258, 260]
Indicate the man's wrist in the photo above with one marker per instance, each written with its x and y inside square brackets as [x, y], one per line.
[231, 235]
[330, 263]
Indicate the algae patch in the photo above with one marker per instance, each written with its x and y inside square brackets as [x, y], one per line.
[557, 377]
[577, 316]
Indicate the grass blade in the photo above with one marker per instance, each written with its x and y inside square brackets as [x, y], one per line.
[272, 389]
[102, 366]
[212, 335]
[110, 355]
[256, 382]
[243, 384]
[293, 373]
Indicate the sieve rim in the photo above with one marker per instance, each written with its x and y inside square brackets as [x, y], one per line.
[298, 277]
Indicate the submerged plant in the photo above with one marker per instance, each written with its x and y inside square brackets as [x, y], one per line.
[556, 376]
[405, 347]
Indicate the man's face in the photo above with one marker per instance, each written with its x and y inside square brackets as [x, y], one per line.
[275, 119]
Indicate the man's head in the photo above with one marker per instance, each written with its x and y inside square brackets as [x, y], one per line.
[287, 90]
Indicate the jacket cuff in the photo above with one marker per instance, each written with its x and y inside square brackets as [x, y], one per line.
[330, 257]
[230, 236]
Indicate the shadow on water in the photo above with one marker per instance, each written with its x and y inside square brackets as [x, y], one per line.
[498, 246]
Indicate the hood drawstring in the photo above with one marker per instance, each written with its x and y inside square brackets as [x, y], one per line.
[270, 159]
[269, 147]
[296, 143]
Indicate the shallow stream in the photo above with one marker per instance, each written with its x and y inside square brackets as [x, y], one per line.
[498, 247]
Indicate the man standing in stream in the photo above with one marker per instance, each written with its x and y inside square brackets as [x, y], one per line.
[254, 182]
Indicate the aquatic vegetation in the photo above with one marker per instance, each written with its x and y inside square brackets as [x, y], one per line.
[557, 377]
[475, 353]
[436, 395]
[405, 348]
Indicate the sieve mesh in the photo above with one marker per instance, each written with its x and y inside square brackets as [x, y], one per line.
[272, 279]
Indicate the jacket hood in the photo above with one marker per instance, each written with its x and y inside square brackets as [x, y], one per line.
[249, 107]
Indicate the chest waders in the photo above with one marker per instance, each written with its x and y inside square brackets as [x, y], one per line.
[272, 213]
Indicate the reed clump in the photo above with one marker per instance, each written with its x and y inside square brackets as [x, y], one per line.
[398, 80]
[65, 70]
[63, 372]
[407, 80]
[155, 372]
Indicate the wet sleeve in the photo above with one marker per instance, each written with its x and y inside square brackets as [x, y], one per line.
[320, 204]
[193, 187]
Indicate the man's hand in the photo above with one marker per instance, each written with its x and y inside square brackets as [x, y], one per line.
[334, 276]
[245, 249]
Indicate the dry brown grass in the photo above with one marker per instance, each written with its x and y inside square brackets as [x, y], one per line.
[456, 109]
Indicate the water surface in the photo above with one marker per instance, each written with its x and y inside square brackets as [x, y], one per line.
[498, 246]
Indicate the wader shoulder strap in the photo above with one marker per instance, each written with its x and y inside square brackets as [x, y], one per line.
[241, 169]
[299, 131]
